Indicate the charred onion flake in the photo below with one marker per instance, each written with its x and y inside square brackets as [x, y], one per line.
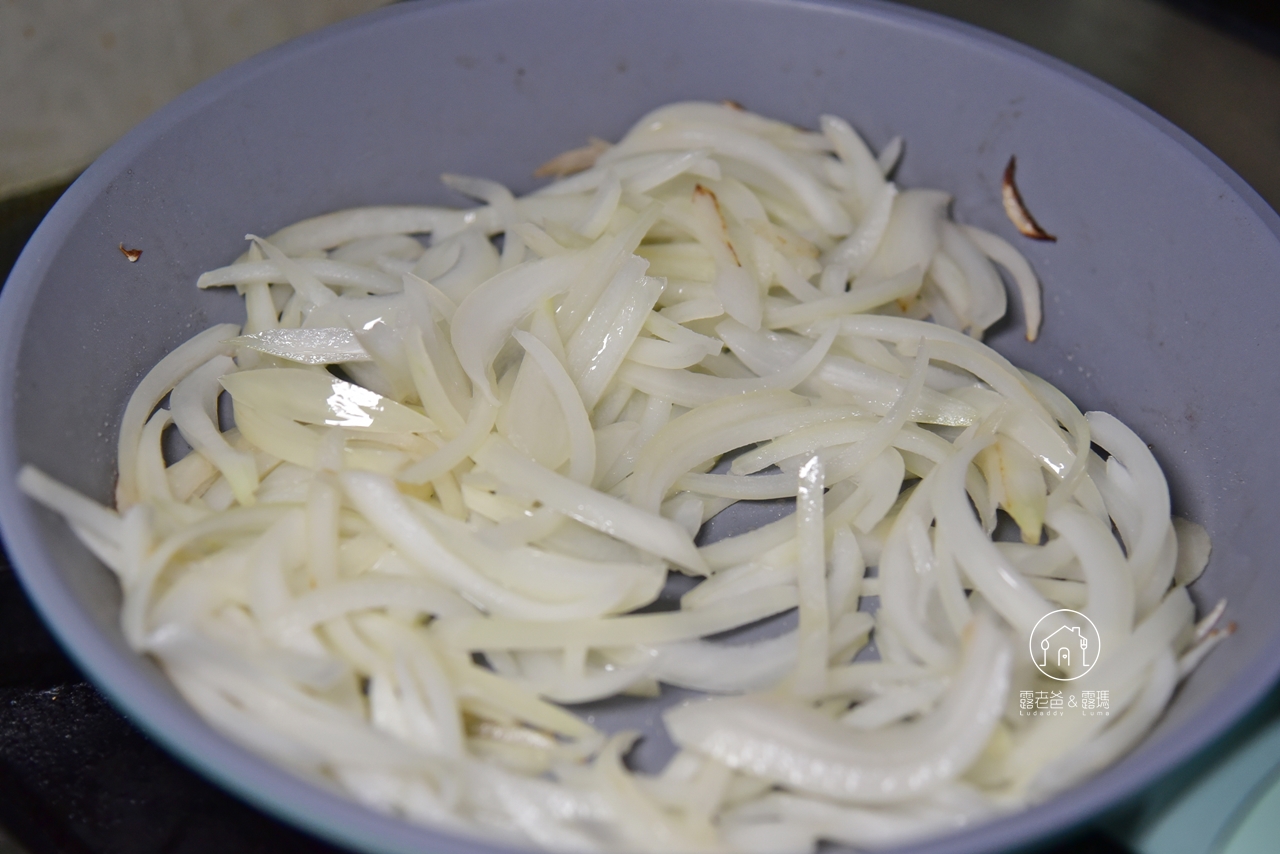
[1016, 209]
[572, 161]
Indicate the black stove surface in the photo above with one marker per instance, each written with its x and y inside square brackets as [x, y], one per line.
[76, 777]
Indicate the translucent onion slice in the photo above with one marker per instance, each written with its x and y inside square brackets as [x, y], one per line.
[646, 531]
[328, 272]
[194, 405]
[801, 749]
[598, 347]
[624, 631]
[324, 346]
[722, 668]
[316, 397]
[158, 382]
[486, 317]
[740, 146]
[378, 499]
[810, 676]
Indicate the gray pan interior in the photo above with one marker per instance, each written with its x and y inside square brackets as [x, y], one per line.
[1159, 293]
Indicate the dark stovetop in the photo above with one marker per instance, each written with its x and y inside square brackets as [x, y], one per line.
[78, 778]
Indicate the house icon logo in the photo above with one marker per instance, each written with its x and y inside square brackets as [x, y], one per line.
[1065, 645]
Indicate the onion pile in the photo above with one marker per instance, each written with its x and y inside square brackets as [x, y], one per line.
[462, 463]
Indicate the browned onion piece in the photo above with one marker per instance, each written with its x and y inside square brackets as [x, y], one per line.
[572, 161]
[1016, 209]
